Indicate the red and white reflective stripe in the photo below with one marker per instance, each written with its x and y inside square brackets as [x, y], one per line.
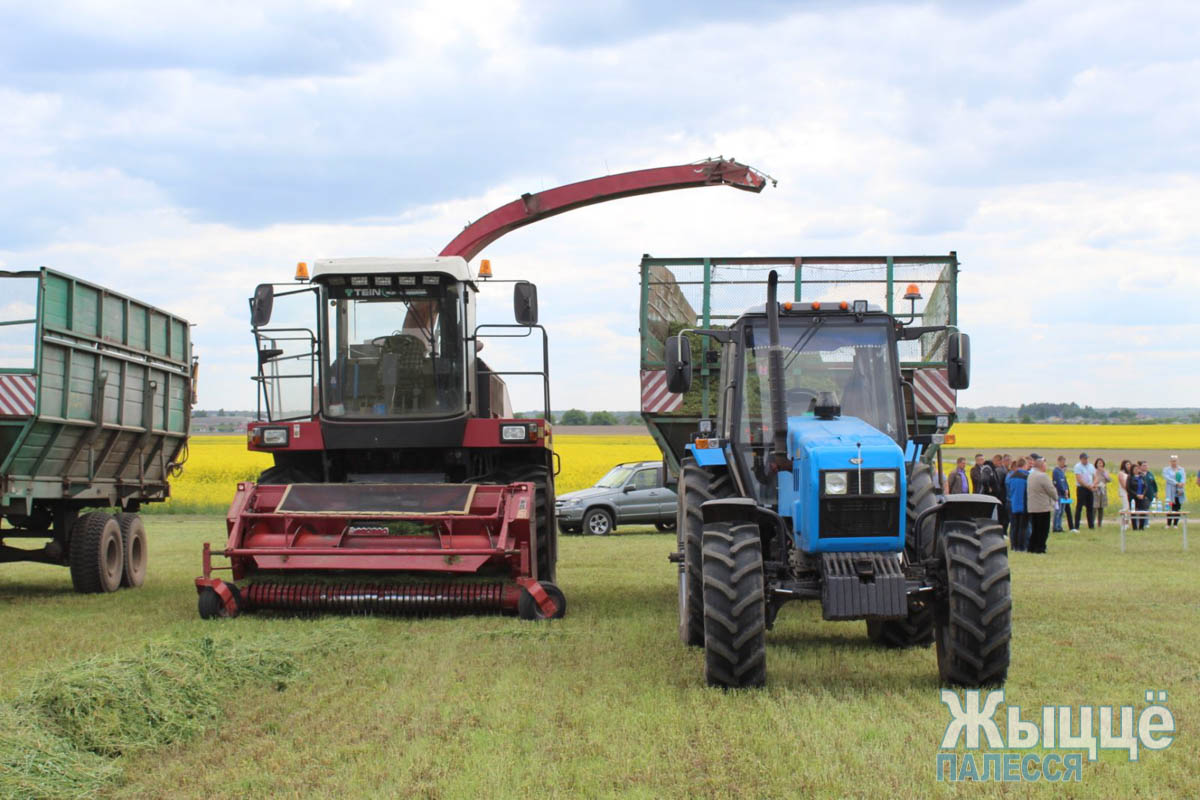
[18, 395]
[933, 392]
[655, 397]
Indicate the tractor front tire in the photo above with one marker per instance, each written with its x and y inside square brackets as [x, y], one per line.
[696, 487]
[95, 554]
[735, 620]
[133, 549]
[974, 617]
[916, 630]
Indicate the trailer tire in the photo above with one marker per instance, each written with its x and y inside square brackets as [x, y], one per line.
[735, 618]
[974, 617]
[95, 554]
[527, 607]
[133, 550]
[696, 486]
[598, 522]
[916, 630]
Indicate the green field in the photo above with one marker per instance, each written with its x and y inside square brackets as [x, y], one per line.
[607, 702]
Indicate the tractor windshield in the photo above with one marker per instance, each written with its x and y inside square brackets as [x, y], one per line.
[395, 347]
[851, 359]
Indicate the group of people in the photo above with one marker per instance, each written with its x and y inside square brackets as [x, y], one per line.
[1034, 500]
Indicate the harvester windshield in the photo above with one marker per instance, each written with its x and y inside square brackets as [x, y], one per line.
[851, 359]
[395, 350]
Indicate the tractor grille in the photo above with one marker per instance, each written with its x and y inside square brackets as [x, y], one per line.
[859, 516]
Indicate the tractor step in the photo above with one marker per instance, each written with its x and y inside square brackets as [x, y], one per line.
[858, 585]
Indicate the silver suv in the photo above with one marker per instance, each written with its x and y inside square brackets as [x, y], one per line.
[629, 493]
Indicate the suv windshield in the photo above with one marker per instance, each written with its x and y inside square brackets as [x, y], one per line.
[615, 477]
[851, 359]
[395, 346]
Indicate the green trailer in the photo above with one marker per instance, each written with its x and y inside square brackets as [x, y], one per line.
[678, 294]
[96, 391]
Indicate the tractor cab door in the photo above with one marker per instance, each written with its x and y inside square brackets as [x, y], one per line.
[283, 320]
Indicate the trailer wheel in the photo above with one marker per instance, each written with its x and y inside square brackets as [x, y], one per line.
[696, 486]
[974, 617]
[527, 607]
[95, 554]
[735, 619]
[916, 630]
[597, 522]
[133, 549]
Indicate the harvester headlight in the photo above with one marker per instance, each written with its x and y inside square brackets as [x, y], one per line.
[512, 433]
[835, 482]
[885, 482]
[275, 437]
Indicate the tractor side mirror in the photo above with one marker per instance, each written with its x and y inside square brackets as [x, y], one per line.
[525, 303]
[261, 305]
[679, 364]
[958, 361]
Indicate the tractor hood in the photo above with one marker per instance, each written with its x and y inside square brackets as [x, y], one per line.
[855, 521]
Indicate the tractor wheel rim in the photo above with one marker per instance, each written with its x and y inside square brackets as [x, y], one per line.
[598, 524]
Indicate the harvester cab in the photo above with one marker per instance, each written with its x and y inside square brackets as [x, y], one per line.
[814, 480]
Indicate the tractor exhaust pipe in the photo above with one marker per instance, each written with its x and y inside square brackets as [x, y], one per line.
[775, 378]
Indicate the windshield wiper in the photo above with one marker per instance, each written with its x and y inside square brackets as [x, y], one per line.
[803, 341]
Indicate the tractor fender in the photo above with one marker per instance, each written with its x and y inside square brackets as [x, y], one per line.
[963, 507]
[729, 509]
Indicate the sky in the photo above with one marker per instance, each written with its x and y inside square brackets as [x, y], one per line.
[183, 152]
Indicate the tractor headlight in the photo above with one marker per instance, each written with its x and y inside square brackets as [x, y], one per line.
[275, 437]
[885, 482]
[835, 482]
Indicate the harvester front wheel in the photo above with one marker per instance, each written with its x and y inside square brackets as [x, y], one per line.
[916, 630]
[95, 553]
[528, 608]
[974, 617]
[133, 549]
[210, 605]
[735, 621]
[696, 486]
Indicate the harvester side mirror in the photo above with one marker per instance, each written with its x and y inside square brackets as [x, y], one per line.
[525, 303]
[679, 364]
[261, 305]
[958, 361]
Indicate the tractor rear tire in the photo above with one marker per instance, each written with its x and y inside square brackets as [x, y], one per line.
[916, 630]
[735, 619]
[696, 486]
[974, 617]
[95, 554]
[133, 548]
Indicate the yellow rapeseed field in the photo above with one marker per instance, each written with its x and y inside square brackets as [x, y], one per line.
[1015, 437]
[217, 463]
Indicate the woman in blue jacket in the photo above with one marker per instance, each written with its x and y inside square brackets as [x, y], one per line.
[1015, 486]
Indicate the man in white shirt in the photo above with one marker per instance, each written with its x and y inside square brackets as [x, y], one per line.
[1085, 481]
[1175, 478]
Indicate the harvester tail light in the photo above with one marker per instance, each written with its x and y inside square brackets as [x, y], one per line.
[301, 271]
[950, 438]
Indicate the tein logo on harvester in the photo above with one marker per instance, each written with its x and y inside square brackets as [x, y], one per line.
[1082, 730]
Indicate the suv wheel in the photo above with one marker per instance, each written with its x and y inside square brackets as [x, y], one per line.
[597, 522]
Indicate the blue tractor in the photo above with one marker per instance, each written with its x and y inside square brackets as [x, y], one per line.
[809, 484]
